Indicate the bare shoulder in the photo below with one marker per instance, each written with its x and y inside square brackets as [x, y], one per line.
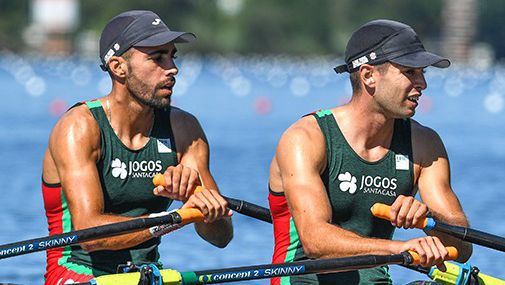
[182, 120]
[426, 144]
[303, 140]
[305, 129]
[79, 119]
[423, 135]
[300, 155]
[176, 112]
[74, 139]
[188, 133]
[77, 127]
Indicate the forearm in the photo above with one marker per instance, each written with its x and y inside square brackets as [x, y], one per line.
[112, 243]
[339, 242]
[218, 233]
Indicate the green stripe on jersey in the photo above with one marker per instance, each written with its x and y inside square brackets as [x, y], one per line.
[294, 243]
[322, 113]
[93, 104]
[66, 224]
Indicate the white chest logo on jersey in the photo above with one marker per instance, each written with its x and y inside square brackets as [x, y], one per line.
[377, 185]
[135, 169]
[347, 182]
[119, 169]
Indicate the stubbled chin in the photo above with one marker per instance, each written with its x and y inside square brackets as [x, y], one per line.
[165, 102]
[411, 113]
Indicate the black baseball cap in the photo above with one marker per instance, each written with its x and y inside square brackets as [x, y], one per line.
[136, 28]
[379, 41]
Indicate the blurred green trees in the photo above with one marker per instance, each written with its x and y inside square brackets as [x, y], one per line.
[266, 26]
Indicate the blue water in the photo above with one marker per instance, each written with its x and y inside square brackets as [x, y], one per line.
[244, 104]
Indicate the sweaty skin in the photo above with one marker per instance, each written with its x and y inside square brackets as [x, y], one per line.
[142, 81]
[367, 124]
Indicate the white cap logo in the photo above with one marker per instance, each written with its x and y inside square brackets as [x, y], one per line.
[108, 55]
[359, 61]
[156, 22]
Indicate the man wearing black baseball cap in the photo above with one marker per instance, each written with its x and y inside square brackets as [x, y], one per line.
[136, 29]
[103, 153]
[332, 166]
[382, 41]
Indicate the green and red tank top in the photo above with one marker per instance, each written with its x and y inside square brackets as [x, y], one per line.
[126, 180]
[353, 185]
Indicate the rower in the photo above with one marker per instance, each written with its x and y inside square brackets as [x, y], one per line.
[103, 153]
[331, 166]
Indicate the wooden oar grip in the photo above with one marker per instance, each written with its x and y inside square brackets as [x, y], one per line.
[383, 211]
[190, 215]
[452, 254]
[159, 180]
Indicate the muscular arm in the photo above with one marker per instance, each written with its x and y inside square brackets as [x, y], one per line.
[193, 149]
[74, 148]
[435, 185]
[301, 158]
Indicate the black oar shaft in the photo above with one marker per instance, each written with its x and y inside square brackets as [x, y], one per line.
[48, 242]
[473, 236]
[467, 234]
[293, 268]
[249, 209]
[268, 270]
[264, 271]
[243, 207]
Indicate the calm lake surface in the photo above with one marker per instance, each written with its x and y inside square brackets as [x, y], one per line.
[244, 105]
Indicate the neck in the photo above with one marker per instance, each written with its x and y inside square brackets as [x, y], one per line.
[131, 120]
[365, 126]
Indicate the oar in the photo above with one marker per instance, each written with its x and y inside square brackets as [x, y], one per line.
[269, 270]
[243, 207]
[181, 217]
[467, 234]
[457, 274]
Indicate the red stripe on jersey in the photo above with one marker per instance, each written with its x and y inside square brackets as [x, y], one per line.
[281, 220]
[54, 213]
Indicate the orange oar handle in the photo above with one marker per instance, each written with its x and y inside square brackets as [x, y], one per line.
[190, 215]
[452, 254]
[383, 211]
[159, 180]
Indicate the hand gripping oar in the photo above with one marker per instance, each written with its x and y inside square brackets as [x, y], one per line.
[467, 234]
[180, 217]
[240, 206]
[269, 270]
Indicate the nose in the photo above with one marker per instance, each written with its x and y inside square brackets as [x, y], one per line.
[420, 82]
[170, 67]
[171, 71]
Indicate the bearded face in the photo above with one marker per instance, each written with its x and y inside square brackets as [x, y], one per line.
[151, 74]
[152, 96]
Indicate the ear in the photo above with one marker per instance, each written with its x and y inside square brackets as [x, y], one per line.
[366, 73]
[118, 67]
